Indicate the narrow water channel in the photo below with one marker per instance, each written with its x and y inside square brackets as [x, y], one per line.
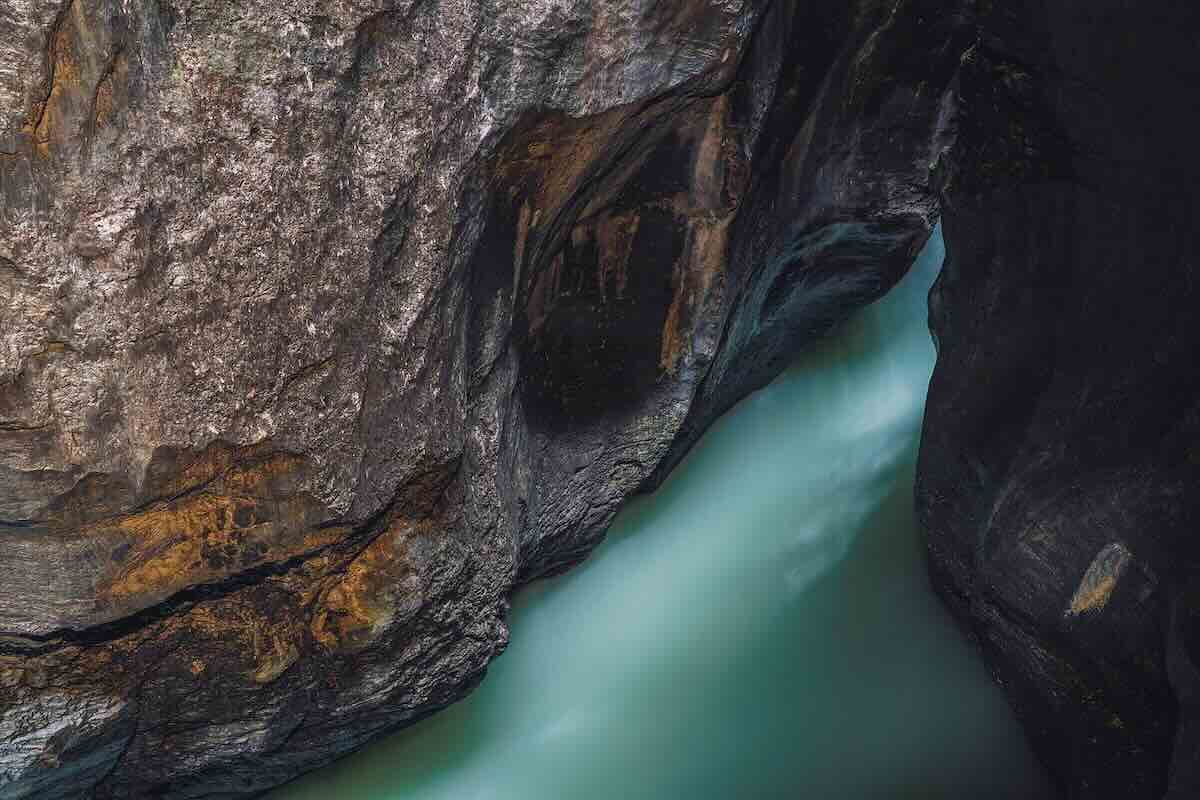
[761, 627]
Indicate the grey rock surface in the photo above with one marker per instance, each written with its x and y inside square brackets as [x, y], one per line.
[325, 325]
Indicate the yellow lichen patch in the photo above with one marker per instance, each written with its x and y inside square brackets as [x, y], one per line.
[362, 600]
[192, 517]
[207, 537]
[275, 660]
[247, 515]
[47, 112]
[160, 573]
[71, 61]
[306, 581]
[347, 608]
[217, 621]
[1093, 597]
[262, 635]
[1101, 578]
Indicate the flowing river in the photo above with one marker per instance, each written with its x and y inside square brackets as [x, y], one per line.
[760, 627]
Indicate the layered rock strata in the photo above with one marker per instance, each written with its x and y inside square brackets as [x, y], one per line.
[327, 324]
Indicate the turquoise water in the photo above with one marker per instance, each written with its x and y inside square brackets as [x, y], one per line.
[761, 627]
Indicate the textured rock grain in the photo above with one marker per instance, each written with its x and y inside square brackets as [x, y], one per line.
[327, 324]
[1059, 459]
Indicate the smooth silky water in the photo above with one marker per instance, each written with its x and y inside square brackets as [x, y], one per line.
[760, 627]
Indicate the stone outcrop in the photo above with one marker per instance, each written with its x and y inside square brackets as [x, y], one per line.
[326, 324]
[1059, 460]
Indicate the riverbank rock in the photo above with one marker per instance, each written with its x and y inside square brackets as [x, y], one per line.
[327, 324]
[1059, 463]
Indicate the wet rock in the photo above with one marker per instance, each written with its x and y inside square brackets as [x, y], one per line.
[326, 325]
[1058, 461]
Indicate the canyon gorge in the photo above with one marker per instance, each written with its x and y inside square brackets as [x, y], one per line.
[327, 325]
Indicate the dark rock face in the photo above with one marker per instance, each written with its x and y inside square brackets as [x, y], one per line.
[327, 324]
[1059, 459]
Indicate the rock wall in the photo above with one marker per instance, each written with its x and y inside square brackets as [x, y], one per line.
[1060, 452]
[328, 323]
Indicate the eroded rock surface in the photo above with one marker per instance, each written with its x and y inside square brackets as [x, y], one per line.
[1059, 458]
[326, 324]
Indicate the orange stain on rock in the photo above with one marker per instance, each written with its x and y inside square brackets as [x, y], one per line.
[248, 514]
[357, 603]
